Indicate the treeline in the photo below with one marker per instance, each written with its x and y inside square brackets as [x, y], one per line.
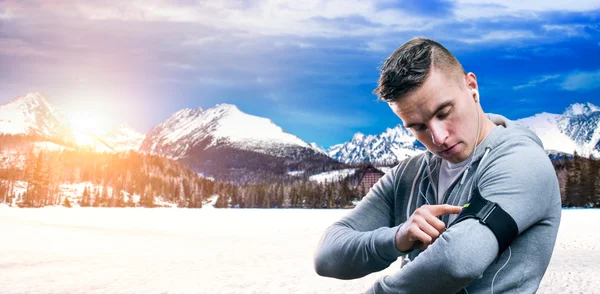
[579, 180]
[114, 179]
[126, 174]
[133, 179]
[301, 194]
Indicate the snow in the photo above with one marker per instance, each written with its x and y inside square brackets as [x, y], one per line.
[74, 192]
[158, 202]
[580, 108]
[30, 114]
[211, 202]
[206, 177]
[123, 138]
[227, 121]
[15, 117]
[12, 158]
[545, 126]
[317, 148]
[224, 123]
[239, 126]
[394, 144]
[137, 250]
[295, 173]
[332, 176]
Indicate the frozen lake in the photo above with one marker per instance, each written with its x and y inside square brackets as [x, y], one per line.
[98, 250]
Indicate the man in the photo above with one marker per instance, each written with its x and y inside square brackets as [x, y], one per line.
[471, 158]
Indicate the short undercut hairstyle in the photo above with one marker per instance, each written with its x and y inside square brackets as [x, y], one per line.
[409, 66]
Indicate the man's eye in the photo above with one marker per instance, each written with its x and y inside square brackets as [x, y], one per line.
[445, 115]
[420, 128]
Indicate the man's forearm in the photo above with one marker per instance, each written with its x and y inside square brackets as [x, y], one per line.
[457, 257]
[344, 253]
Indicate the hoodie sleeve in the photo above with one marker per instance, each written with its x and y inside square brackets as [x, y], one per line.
[518, 177]
[362, 242]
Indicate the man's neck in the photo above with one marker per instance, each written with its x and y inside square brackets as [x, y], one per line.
[488, 126]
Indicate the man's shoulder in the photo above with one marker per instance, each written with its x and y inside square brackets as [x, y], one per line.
[519, 159]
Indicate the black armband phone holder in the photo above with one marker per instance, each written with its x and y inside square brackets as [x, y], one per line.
[493, 216]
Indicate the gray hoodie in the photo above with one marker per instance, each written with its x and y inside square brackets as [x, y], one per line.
[510, 168]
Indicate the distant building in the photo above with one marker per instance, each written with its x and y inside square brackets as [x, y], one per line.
[370, 176]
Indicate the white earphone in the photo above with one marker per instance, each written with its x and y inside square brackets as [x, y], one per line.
[476, 94]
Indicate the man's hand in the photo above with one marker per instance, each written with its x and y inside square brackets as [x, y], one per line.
[423, 226]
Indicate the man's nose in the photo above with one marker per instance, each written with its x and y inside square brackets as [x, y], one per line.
[438, 134]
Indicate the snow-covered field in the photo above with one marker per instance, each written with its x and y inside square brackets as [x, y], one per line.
[99, 250]
[332, 176]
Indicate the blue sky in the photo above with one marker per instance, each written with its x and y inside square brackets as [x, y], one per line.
[308, 66]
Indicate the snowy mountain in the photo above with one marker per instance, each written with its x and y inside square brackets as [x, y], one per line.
[318, 148]
[394, 144]
[223, 139]
[122, 138]
[576, 129]
[32, 114]
[222, 124]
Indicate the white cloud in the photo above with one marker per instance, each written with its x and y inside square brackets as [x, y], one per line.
[268, 17]
[569, 30]
[536, 82]
[504, 35]
[574, 81]
[310, 18]
[582, 81]
[472, 9]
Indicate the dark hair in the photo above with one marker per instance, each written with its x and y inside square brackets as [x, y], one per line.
[408, 67]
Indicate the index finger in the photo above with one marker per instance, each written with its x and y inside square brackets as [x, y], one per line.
[437, 210]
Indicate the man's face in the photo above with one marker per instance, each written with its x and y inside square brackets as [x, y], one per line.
[442, 115]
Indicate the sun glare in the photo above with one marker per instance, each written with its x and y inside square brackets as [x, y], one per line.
[87, 127]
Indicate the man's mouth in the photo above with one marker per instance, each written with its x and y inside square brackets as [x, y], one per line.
[449, 149]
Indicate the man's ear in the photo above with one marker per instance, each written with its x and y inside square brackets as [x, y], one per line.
[471, 81]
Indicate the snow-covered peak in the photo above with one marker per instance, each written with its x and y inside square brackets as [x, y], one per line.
[31, 101]
[33, 114]
[186, 112]
[394, 144]
[358, 137]
[237, 126]
[581, 108]
[399, 134]
[221, 124]
[225, 107]
[546, 126]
